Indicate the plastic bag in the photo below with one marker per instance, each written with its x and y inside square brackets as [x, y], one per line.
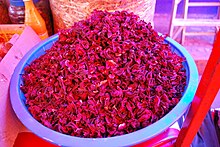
[206, 136]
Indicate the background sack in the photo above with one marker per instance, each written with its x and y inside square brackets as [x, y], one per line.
[66, 12]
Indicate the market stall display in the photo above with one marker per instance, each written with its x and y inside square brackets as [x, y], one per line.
[18, 98]
[102, 80]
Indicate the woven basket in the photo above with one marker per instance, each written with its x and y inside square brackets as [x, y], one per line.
[66, 12]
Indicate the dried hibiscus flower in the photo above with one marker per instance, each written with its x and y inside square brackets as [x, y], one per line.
[108, 75]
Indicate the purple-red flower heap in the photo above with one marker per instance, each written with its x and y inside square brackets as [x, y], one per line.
[108, 75]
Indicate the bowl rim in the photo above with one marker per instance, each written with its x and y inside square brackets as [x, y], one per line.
[124, 140]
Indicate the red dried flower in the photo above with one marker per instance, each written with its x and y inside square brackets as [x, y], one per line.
[108, 75]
